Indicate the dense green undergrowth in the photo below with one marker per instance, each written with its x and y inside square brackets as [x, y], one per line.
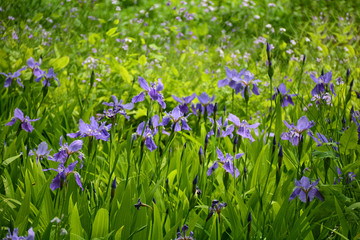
[111, 171]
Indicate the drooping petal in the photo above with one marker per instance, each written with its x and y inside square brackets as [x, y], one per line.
[179, 100]
[8, 82]
[184, 124]
[19, 114]
[229, 167]
[255, 90]
[318, 194]
[128, 106]
[154, 95]
[212, 168]
[161, 102]
[42, 149]
[71, 167]
[331, 86]
[12, 122]
[140, 128]
[220, 155]
[138, 98]
[288, 125]
[76, 145]
[234, 119]
[302, 196]
[177, 127]
[27, 126]
[78, 181]
[159, 85]
[295, 193]
[143, 84]
[20, 83]
[150, 144]
[74, 135]
[165, 121]
[56, 182]
[223, 83]
[239, 155]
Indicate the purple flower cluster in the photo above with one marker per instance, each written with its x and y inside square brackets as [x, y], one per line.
[62, 157]
[177, 116]
[13, 76]
[25, 121]
[243, 128]
[306, 191]
[295, 133]
[153, 92]
[92, 130]
[41, 152]
[14, 235]
[204, 106]
[216, 207]
[117, 108]
[286, 98]
[227, 163]
[240, 82]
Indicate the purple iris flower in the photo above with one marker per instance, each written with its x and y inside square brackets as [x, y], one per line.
[92, 130]
[295, 133]
[320, 98]
[34, 66]
[184, 102]
[176, 116]
[247, 80]
[183, 233]
[227, 163]
[117, 107]
[323, 140]
[216, 207]
[41, 152]
[219, 126]
[348, 179]
[321, 83]
[14, 235]
[147, 136]
[233, 79]
[60, 178]
[206, 103]
[286, 98]
[25, 121]
[40, 74]
[306, 191]
[67, 150]
[153, 91]
[15, 76]
[243, 127]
